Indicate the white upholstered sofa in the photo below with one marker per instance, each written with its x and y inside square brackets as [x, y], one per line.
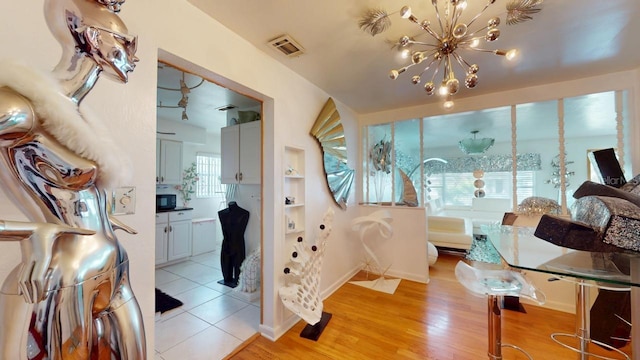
[449, 232]
[454, 228]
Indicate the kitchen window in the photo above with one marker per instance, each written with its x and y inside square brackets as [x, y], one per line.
[208, 169]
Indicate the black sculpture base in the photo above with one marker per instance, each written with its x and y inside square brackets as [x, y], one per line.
[313, 332]
[231, 284]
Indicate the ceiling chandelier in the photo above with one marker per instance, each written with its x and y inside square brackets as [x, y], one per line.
[184, 100]
[475, 146]
[449, 37]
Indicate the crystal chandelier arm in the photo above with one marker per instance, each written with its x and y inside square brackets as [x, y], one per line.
[489, 2]
[461, 61]
[429, 66]
[468, 42]
[473, 34]
[437, 69]
[448, 69]
[435, 5]
[423, 43]
[457, 12]
[509, 54]
[430, 31]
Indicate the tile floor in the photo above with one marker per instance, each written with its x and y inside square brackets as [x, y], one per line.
[214, 319]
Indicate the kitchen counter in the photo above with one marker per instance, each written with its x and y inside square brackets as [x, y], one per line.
[174, 209]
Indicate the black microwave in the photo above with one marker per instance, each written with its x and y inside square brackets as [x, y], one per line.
[165, 202]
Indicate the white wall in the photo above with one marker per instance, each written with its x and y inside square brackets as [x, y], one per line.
[291, 105]
[404, 254]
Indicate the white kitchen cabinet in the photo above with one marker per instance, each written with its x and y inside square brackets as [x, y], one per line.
[204, 236]
[241, 147]
[173, 236]
[161, 240]
[168, 162]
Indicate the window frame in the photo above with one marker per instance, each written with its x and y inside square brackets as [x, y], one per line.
[208, 168]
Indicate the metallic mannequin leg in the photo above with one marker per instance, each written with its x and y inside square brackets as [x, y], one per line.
[122, 330]
[74, 316]
[13, 312]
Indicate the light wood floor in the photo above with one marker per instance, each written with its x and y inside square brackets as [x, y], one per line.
[438, 321]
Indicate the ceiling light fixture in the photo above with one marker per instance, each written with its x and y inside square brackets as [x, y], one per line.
[474, 146]
[441, 53]
[184, 100]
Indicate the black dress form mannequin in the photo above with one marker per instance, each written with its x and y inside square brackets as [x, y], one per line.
[233, 221]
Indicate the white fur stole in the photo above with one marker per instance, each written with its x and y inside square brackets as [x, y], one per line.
[80, 132]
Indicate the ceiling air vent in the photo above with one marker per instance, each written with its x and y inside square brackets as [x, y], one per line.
[287, 46]
[226, 107]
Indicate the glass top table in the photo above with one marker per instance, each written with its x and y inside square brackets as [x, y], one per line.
[521, 249]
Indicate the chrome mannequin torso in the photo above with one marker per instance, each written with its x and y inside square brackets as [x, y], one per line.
[70, 296]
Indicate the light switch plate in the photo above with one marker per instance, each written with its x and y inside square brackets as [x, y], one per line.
[124, 200]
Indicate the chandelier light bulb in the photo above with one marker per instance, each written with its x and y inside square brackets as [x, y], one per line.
[461, 4]
[404, 40]
[393, 74]
[512, 54]
[415, 80]
[448, 104]
[442, 90]
[405, 53]
[405, 12]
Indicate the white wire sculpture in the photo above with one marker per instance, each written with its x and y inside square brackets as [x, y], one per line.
[249, 281]
[380, 221]
[301, 293]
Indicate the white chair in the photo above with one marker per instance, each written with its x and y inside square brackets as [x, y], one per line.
[495, 284]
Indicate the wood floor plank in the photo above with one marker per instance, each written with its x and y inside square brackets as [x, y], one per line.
[436, 321]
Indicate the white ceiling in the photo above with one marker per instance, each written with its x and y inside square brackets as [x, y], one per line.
[568, 39]
[205, 97]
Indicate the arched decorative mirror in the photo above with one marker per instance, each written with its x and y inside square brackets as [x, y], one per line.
[329, 132]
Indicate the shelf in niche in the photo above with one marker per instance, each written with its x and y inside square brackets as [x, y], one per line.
[294, 205]
[294, 231]
[294, 176]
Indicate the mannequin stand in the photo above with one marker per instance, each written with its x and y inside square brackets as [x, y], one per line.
[231, 284]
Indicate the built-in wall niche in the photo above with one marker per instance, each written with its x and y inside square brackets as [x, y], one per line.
[548, 140]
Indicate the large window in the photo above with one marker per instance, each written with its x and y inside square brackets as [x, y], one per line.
[457, 189]
[536, 149]
[208, 169]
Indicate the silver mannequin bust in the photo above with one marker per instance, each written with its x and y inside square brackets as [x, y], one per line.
[70, 297]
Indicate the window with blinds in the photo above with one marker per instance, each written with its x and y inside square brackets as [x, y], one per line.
[208, 169]
[456, 189]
